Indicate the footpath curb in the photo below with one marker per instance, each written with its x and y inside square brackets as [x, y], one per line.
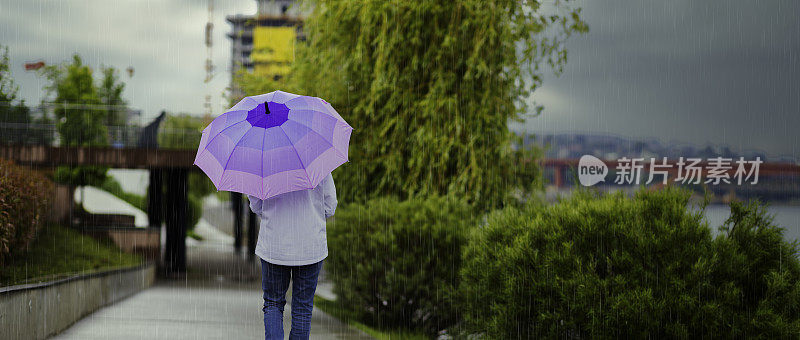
[40, 310]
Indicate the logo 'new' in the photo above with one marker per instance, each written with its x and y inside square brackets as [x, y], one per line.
[591, 170]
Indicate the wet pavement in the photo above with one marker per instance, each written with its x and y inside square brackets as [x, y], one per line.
[221, 216]
[218, 298]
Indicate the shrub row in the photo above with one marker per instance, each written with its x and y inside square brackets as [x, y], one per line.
[592, 266]
[618, 267]
[24, 202]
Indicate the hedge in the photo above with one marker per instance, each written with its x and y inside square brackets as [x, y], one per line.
[25, 197]
[395, 264]
[609, 266]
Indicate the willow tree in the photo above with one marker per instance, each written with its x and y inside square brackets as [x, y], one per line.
[429, 88]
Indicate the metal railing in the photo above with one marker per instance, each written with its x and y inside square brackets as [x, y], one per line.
[28, 134]
[117, 136]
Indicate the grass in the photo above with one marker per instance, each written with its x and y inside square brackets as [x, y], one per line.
[113, 187]
[59, 252]
[194, 235]
[334, 309]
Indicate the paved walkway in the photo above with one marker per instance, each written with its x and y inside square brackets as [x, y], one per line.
[218, 298]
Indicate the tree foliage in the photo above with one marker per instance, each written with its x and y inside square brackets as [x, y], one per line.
[9, 110]
[429, 88]
[12, 110]
[110, 93]
[93, 175]
[78, 114]
[79, 117]
[8, 90]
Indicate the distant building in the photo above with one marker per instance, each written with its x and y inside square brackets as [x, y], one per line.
[264, 43]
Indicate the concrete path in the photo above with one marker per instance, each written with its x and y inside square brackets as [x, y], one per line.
[177, 311]
[218, 298]
[219, 214]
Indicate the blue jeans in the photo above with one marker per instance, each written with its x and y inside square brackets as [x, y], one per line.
[275, 281]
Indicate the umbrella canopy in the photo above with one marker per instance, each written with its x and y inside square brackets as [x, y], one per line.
[274, 143]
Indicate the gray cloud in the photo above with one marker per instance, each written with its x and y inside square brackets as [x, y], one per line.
[162, 40]
[693, 71]
[722, 72]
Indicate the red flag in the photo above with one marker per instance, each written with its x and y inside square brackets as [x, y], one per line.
[34, 66]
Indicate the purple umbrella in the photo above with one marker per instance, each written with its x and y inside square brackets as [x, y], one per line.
[272, 144]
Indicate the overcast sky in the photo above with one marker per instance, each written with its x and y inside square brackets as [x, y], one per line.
[162, 40]
[721, 72]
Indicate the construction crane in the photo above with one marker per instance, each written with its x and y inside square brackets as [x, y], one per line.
[209, 56]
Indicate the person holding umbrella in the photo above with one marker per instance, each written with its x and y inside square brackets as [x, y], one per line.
[280, 149]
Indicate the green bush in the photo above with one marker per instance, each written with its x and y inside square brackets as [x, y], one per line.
[92, 175]
[616, 267]
[24, 203]
[395, 264]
